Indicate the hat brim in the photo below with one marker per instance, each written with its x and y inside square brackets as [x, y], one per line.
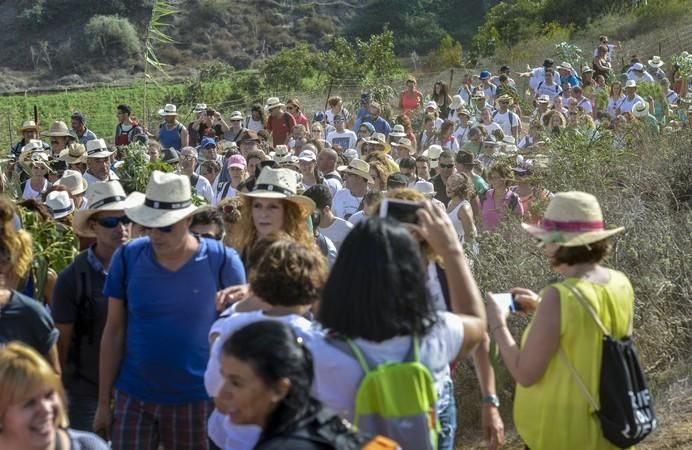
[56, 134]
[63, 214]
[149, 217]
[80, 221]
[23, 129]
[346, 169]
[305, 203]
[81, 189]
[103, 154]
[654, 64]
[270, 107]
[163, 113]
[395, 134]
[572, 239]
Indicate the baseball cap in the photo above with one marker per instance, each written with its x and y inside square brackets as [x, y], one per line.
[484, 75]
[307, 155]
[237, 161]
[206, 142]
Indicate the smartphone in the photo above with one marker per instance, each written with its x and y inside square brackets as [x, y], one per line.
[402, 210]
[505, 300]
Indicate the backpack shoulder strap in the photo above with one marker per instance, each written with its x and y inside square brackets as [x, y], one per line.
[347, 346]
[194, 179]
[413, 354]
[578, 380]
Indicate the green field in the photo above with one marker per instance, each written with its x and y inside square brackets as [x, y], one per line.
[99, 105]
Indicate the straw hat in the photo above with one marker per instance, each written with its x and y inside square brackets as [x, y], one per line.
[167, 201]
[73, 181]
[168, 110]
[199, 107]
[282, 184]
[74, 154]
[457, 102]
[28, 125]
[357, 167]
[655, 62]
[34, 145]
[236, 115]
[640, 109]
[433, 154]
[57, 128]
[631, 83]
[505, 98]
[97, 148]
[101, 196]
[59, 204]
[29, 158]
[281, 154]
[398, 131]
[565, 65]
[426, 188]
[273, 102]
[406, 143]
[572, 219]
[379, 139]
[543, 99]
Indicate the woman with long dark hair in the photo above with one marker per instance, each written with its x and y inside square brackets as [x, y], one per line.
[376, 297]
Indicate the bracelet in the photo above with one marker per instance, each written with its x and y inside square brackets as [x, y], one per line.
[492, 332]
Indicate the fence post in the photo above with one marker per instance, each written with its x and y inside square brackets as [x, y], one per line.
[451, 79]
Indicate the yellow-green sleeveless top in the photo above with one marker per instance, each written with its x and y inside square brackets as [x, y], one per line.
[554, 414]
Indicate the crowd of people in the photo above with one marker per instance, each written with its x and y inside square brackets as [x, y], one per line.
[291, 311]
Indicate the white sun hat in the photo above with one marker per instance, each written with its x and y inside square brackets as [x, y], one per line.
[281, 184]
[59, 204]
[97, 148]
[168, 200]
[73, 181]
[169, 110]
[101, 196]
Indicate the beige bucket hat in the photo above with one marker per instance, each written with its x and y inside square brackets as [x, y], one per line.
[28, 125]
[73, 181]
[273, 102]
[572, 219]
[167, 200]
[357, 167]
[74, 154]
[433, 154]
[101, 196]
[281, 184]
[57, 129]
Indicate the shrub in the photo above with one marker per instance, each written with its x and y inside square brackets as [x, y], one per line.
[287, 69]
[37, 14]
[448, 54]
[111, 36]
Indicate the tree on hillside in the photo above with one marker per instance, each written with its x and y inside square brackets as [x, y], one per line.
[111, 36]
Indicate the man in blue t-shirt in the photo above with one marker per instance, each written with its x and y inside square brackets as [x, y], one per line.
[380, 124]
[161, 293]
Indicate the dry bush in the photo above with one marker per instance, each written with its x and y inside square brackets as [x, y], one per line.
[646, 189]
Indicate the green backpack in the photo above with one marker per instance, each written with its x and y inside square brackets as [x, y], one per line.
[395, 399]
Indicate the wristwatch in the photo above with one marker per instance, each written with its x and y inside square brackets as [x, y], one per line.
[492, 400]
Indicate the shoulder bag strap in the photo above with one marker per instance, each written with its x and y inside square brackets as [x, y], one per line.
[588, 307]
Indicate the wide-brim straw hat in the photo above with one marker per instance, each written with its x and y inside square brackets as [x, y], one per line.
[168, 110]
[73, 181]
[379, 139]
[406, 143]
[57, 129]
[59, 204]
[655, 62]
[640, 109]
[100, 196]
[398, 131]
[572, 219]
[74, 154]
[280, 184]
[357, 167]
[273, 102]
[433, 154]
[505, 98]
[28, 125]
[97, 148]
[167, 200]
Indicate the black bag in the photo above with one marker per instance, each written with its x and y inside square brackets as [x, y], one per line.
[626, 413]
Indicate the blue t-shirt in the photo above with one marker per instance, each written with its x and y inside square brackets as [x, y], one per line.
[168, 318]
[381, 125]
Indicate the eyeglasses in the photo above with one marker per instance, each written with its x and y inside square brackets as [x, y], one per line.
[446, 166]
[112, 222]
[187, 157]
[167, 229]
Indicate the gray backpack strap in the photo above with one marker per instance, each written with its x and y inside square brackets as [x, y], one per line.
[346, 346]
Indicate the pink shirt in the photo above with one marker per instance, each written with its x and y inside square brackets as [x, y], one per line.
[492, 214]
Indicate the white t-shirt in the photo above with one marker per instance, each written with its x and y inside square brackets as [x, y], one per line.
[30, 193]
[492, 127]
[614, 104]
[586, 105]
[490, 92]
[552, 90]
[538, 75]
[461, 134]
[646, 77]
[230, 192]
[203, 188]
[507, 121]
[346, 140]
[333, 183]
[254, 125]
[628, 105]
[221, 430]
[344, 203]
[338, 375]
[90, 179]
[357, 217]
[337, 231]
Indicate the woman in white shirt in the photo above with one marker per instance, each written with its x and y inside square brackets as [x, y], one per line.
[381, 309]
[615, 99]
[38, 184]
[487, 121]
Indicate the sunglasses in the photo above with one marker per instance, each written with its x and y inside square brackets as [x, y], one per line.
[167, 229]
[446, 166]
[112, 222]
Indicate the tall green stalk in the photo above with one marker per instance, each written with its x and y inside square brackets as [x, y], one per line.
[154, 36]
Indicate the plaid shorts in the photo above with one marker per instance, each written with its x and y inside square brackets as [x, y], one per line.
[139, 425]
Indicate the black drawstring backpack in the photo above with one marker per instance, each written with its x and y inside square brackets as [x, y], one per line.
[626, 413]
